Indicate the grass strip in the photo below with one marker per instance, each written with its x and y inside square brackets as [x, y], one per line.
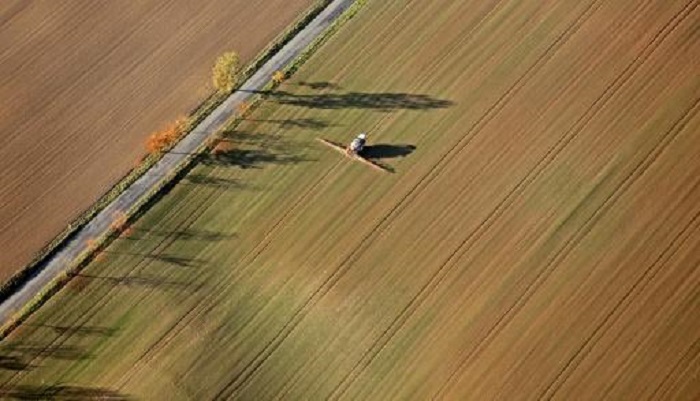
[198, 114]
[162, 188]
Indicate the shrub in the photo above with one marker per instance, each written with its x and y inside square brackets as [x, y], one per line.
[100, 257]
[161, 140]
[78, 283]
[119, 222]
[91, 244]
[222, 147]
[224, 74]
[278, 77]
[156, 143]
[126, 232]
[243, 108]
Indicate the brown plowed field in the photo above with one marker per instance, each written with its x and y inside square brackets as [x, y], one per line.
[539, 239]
[82, 83]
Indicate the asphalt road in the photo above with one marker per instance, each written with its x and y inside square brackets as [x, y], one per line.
[139, 192]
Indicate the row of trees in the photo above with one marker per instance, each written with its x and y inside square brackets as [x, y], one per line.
[224, 77]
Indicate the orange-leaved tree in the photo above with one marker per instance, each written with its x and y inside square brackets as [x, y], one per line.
[161, 140]
[119, 221]
[222, 147]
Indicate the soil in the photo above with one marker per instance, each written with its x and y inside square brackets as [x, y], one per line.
[539, 239]
[83, 84]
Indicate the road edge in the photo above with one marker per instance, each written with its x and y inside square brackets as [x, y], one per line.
[79, 249]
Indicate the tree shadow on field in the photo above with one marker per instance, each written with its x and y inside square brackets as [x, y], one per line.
[13, 363]
[143, 282]
[380, 101]
[33, 350]
[59, 392]
[302, 123]
[188, 234]
[250, 158]
[251, 138]
[245, 149]
[216, 182]
[320, 85]
[18, 356]
[167, 259]
[81, 331]
[387, 151]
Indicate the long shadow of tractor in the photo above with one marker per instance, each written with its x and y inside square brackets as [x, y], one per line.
[387, 151]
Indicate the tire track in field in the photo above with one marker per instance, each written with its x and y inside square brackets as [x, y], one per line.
[164, 244]
[101, 301]
[420, 186]
[59, 340]
[564, 251]
[497, 6]
[533, 174]
[248, 259]
[229, 281]
[691, 357]
[690, 295]
[647, 50]
[64, 144]
[166, 241]
[582, 232]
[446, 211]
[204, 308]
[193, 220]
[381, 122]
[252, 256]
[639, 285]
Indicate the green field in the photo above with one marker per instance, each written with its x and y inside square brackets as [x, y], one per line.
[538, 238]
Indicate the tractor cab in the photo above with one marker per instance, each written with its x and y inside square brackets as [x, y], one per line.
[358, 143]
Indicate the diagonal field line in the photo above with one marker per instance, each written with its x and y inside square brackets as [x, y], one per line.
[629, 180]
[239, 381]
[550, 155]
[163, 171]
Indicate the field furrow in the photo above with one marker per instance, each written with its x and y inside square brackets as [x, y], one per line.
[538, 239]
